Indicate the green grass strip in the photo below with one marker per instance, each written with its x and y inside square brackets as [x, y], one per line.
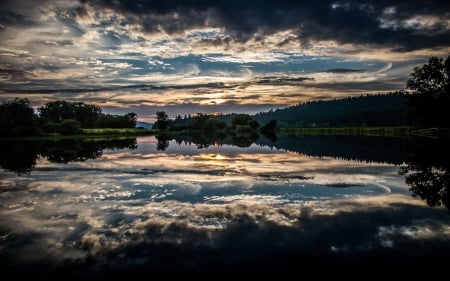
[351, 131]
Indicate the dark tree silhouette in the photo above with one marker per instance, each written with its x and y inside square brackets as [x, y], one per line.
[17, 118]
[162, 120]
[431, 93]
[116, 121]
[431, 78]
[58, 111]
[384, 109]
[70, 127]
[240, 120]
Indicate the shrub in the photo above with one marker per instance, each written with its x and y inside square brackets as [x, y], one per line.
[69, 127]
[50, 127]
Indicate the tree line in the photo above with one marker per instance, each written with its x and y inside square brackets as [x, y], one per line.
[386, 109]
[18, 118]
[207, 129]
[424, 103]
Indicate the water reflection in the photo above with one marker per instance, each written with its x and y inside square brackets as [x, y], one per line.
[424, 162]
[21, 156]
[175, 205]
[163, 142]
[428, 172]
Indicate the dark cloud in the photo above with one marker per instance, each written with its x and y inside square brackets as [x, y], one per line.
[10, 18]
[142, 87]
[362, 86]
[287, 40]
[274, 80]
[217, 41]
[368, 22]
[14, 74]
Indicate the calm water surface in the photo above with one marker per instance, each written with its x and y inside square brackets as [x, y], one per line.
[148, 205]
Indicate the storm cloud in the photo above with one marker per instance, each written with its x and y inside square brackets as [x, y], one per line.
[402, 25]
[209, 56]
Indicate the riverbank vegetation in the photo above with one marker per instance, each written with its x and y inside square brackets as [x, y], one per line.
[17, 118]
[421, 110]
[353, 131]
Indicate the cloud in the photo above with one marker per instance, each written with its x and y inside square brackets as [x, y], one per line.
[273, 80]
[13, 75]
[396, 25]
[171, 55]
[10, 18]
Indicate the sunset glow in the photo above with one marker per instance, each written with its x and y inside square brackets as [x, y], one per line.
[208, 56]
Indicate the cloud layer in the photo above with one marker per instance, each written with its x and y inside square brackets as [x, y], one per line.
[207, 56]
[404, 25]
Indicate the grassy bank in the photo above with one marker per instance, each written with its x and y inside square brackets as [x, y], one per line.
[351, 131]
[119, 131]
[95, 133]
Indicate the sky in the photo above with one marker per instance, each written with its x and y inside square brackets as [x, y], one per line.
[190, 56]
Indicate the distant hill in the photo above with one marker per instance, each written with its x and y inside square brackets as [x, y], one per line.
[146, 125]
[390, 109]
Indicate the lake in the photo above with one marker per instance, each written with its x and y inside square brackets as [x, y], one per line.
[169, 205]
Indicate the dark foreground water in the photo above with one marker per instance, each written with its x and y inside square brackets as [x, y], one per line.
[158, 207]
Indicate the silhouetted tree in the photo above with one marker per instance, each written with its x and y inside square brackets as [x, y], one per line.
[213, 126]
[69, 127]
[198, 121]
[384, 109]
[116, 121]
[244, 120]
[58, 111]
[431, 99]
[269, 130]
[270, 126]
[162, 120]
[17, 118]
[50, 127]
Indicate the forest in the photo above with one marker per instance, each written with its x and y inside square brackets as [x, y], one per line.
[18, 118]
[423, 104]
[386, 109]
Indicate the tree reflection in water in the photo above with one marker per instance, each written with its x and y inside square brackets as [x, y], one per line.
[429, 183]
[163, 142]
[424, 162]
[21, 156]
[428, 172]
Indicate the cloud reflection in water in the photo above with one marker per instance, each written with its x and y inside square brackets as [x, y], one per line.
[188, 209]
